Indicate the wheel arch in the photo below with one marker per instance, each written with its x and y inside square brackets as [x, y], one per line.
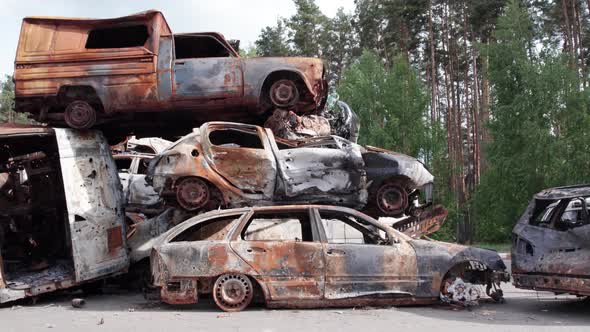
[86, 92]
[212, 186]
[285, 73]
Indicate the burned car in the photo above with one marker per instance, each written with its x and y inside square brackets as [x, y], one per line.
[223, 164]
[83, 72]
[551, 242]
[132, 168]
[61, 211]
[313, 256]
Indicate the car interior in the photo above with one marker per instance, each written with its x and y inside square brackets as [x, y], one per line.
[199, 46]
[34, 229]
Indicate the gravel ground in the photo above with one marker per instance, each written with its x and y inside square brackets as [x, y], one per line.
[117, 310]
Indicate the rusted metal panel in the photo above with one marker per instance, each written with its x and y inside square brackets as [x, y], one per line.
[208, 78]
[165, 59]
[114, 239]
[250, 168]
[289, 269]
[550, 249]
[94, 203]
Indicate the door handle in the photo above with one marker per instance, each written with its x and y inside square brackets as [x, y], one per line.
[179, 63]
[335, 252]
[256, 249]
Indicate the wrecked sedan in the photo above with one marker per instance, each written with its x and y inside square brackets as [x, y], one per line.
[83, 72]
[61, 211]
[223, 164]
[313, 256]
[551, 242]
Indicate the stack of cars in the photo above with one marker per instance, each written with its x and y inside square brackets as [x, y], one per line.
[268, 197]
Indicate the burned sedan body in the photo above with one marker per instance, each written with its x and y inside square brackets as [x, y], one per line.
[311, 256]
[233, 165]
[61, 211]
[83, 72]
[551, 242]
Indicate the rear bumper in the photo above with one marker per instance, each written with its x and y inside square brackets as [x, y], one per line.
[553, 283]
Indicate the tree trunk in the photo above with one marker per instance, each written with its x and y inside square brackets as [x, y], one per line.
[433, 84]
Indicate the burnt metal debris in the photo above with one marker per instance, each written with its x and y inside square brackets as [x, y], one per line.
[312, 256]
[550, 248]
[74, 209]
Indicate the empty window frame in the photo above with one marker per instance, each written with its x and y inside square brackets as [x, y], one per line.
[286, 226]
[143, 165]
[344, 228]
[123, 164]
[192, 47]
[235, 138]
[117, 37]
[208, 230]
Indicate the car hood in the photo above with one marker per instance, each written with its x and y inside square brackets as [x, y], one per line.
[380, 161]
[447, 254]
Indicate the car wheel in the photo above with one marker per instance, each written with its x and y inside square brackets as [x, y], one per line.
[233, 292]
[391, 199]
[284, 93]
[80, 115]
[192, 193]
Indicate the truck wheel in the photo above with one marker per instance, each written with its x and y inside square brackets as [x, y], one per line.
[284, 93]
[192, 193]
[391, 199]
[232, 292]
[80, 115]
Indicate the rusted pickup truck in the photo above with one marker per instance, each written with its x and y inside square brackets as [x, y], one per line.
[84, 72]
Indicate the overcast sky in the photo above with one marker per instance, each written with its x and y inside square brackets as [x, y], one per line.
[234, 18]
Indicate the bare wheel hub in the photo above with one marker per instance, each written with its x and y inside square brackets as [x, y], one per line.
[392, 199]
[80, 115]
[284, 93]
[192, 193]
[232, 292]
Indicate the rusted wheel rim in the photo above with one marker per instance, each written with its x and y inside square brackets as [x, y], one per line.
[284, 93]
[192, 193]
[392, 199]
[80, 115]
[232, 292]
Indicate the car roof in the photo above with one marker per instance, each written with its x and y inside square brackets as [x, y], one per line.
[564, 192]
[144, 15]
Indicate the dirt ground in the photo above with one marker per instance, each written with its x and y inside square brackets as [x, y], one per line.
[117, 310]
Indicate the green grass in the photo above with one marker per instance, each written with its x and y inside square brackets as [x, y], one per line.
[500, 247]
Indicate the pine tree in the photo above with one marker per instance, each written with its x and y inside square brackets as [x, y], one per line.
[273, 41]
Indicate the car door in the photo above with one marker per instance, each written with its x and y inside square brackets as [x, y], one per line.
[325, 165]
[125, 166]
[204, 68]
[283, 247]
[242, 155]
[139, 191]
[94, 203]
[358, 265]
[556, 242]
